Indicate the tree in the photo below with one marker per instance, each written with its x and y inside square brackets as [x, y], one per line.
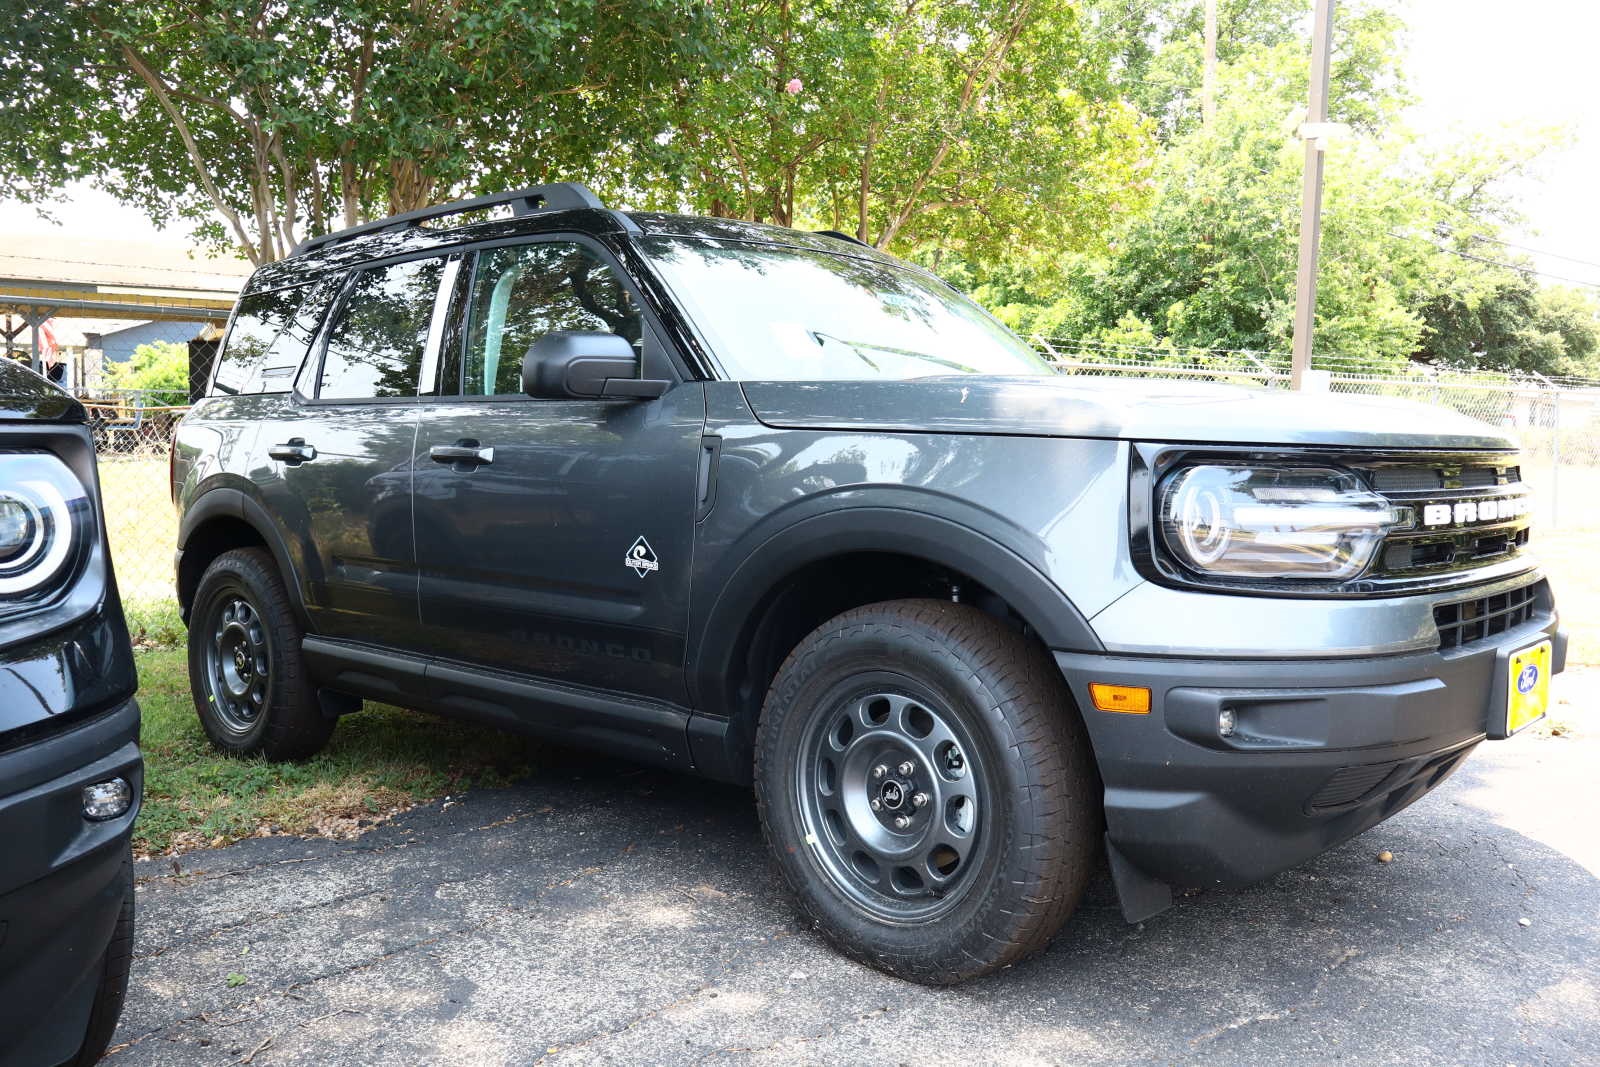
[1211, 264]
[1516, 326]
[901, 121]
[1155, 53]
[283, 118]
[160, 368]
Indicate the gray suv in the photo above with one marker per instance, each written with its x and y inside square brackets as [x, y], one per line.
[775, 508]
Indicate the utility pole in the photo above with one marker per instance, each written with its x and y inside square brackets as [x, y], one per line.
[1313, 132]
[1208, 86]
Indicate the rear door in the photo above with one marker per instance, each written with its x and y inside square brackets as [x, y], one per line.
[565, 554]
[340, 453]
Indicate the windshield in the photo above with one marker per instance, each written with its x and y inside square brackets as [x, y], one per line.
[772, 312]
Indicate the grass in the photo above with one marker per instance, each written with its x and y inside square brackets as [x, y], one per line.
[379, 762]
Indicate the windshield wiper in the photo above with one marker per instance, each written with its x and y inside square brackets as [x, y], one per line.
[860, 349]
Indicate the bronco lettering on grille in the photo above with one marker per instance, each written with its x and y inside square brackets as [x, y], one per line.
[1465, 512]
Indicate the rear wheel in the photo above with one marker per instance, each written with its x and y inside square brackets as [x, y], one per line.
[926, 787]
[245, 665]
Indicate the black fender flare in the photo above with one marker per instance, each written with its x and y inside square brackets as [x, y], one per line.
[936, 538]
[228, 502]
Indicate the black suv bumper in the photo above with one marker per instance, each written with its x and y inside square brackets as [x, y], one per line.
[62, 881]
[1321, 750]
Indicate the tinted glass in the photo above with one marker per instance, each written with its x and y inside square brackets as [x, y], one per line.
[522, 292]
[264, 345]
[773, 312]
[375, 348]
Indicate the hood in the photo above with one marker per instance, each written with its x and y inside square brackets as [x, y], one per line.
[1130, 409]
[25, 395]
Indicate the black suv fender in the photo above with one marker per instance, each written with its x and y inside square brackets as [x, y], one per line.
[726, 702]
[221, 518]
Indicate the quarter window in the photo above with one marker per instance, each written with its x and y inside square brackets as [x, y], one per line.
[267, 341]
[522, 292]
[376, 346]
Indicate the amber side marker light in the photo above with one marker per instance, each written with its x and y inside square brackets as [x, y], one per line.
[1129, 699]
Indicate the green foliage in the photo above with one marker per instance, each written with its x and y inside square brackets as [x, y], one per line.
[290, 117]
[905, 123]
[161, 367]
[1047, 154]
[1517, 326]
[1211, 263]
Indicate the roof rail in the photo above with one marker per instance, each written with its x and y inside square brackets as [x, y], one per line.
[843, 237]
[560, 196]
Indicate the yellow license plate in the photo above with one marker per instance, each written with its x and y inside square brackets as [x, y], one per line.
[1528, 686]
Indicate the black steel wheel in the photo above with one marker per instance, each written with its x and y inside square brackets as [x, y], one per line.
[245, 665]
[891, 788]
[238, 670]
[927, 790]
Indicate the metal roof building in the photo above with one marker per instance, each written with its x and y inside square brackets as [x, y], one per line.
[42, 276]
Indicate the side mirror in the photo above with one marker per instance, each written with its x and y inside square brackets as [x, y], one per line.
[584, 364]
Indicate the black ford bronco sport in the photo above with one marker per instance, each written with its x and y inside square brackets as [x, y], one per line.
[70, 771]
[774, 507]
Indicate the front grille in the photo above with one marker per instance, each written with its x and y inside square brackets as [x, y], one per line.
[1462, 512]
[1467, 621]
[1406, 479]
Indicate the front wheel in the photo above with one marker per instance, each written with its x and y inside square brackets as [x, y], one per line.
[926, 787]
[245, 666]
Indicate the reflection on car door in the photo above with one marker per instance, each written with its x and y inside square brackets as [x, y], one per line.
[566, 555]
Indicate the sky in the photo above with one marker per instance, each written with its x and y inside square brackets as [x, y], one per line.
[1473, 63]
[1484, 63]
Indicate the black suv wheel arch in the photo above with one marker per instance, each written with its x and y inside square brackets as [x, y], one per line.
[226, 518]
[728, 673]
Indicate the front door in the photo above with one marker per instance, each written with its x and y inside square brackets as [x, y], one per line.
[561, 550]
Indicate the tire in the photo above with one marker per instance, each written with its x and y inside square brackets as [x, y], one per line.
[245, 666]
[113, 988]
[927, 699]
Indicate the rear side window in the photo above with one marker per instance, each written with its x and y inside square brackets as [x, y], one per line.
[265, 344]
[376, 344]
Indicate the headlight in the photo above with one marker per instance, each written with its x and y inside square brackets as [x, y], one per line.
[1272, 522]
[44, 522]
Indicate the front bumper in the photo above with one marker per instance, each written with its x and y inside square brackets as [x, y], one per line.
[1322, 750]
[62, 881]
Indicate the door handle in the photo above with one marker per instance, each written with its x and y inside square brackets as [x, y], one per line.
[465, 454]
[294, 453]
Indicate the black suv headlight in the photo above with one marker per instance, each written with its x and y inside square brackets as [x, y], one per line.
[1269, 522]
[46, 521]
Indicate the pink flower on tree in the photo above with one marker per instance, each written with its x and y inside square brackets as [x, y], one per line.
[793, 86]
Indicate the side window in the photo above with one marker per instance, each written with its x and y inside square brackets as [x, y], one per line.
[522, 292]
[263, 348]
[375, 346]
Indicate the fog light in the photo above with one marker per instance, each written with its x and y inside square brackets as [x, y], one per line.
[106, 800]
[1225, 722]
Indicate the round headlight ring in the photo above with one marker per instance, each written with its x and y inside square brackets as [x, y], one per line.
[47, 506]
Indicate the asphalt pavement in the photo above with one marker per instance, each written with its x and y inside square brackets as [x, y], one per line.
[601, 913]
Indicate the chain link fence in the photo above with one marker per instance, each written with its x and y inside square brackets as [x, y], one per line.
[1556, 420]
[132, 432]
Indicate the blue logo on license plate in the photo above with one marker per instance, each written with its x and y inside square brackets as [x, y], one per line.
[1528, 678]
